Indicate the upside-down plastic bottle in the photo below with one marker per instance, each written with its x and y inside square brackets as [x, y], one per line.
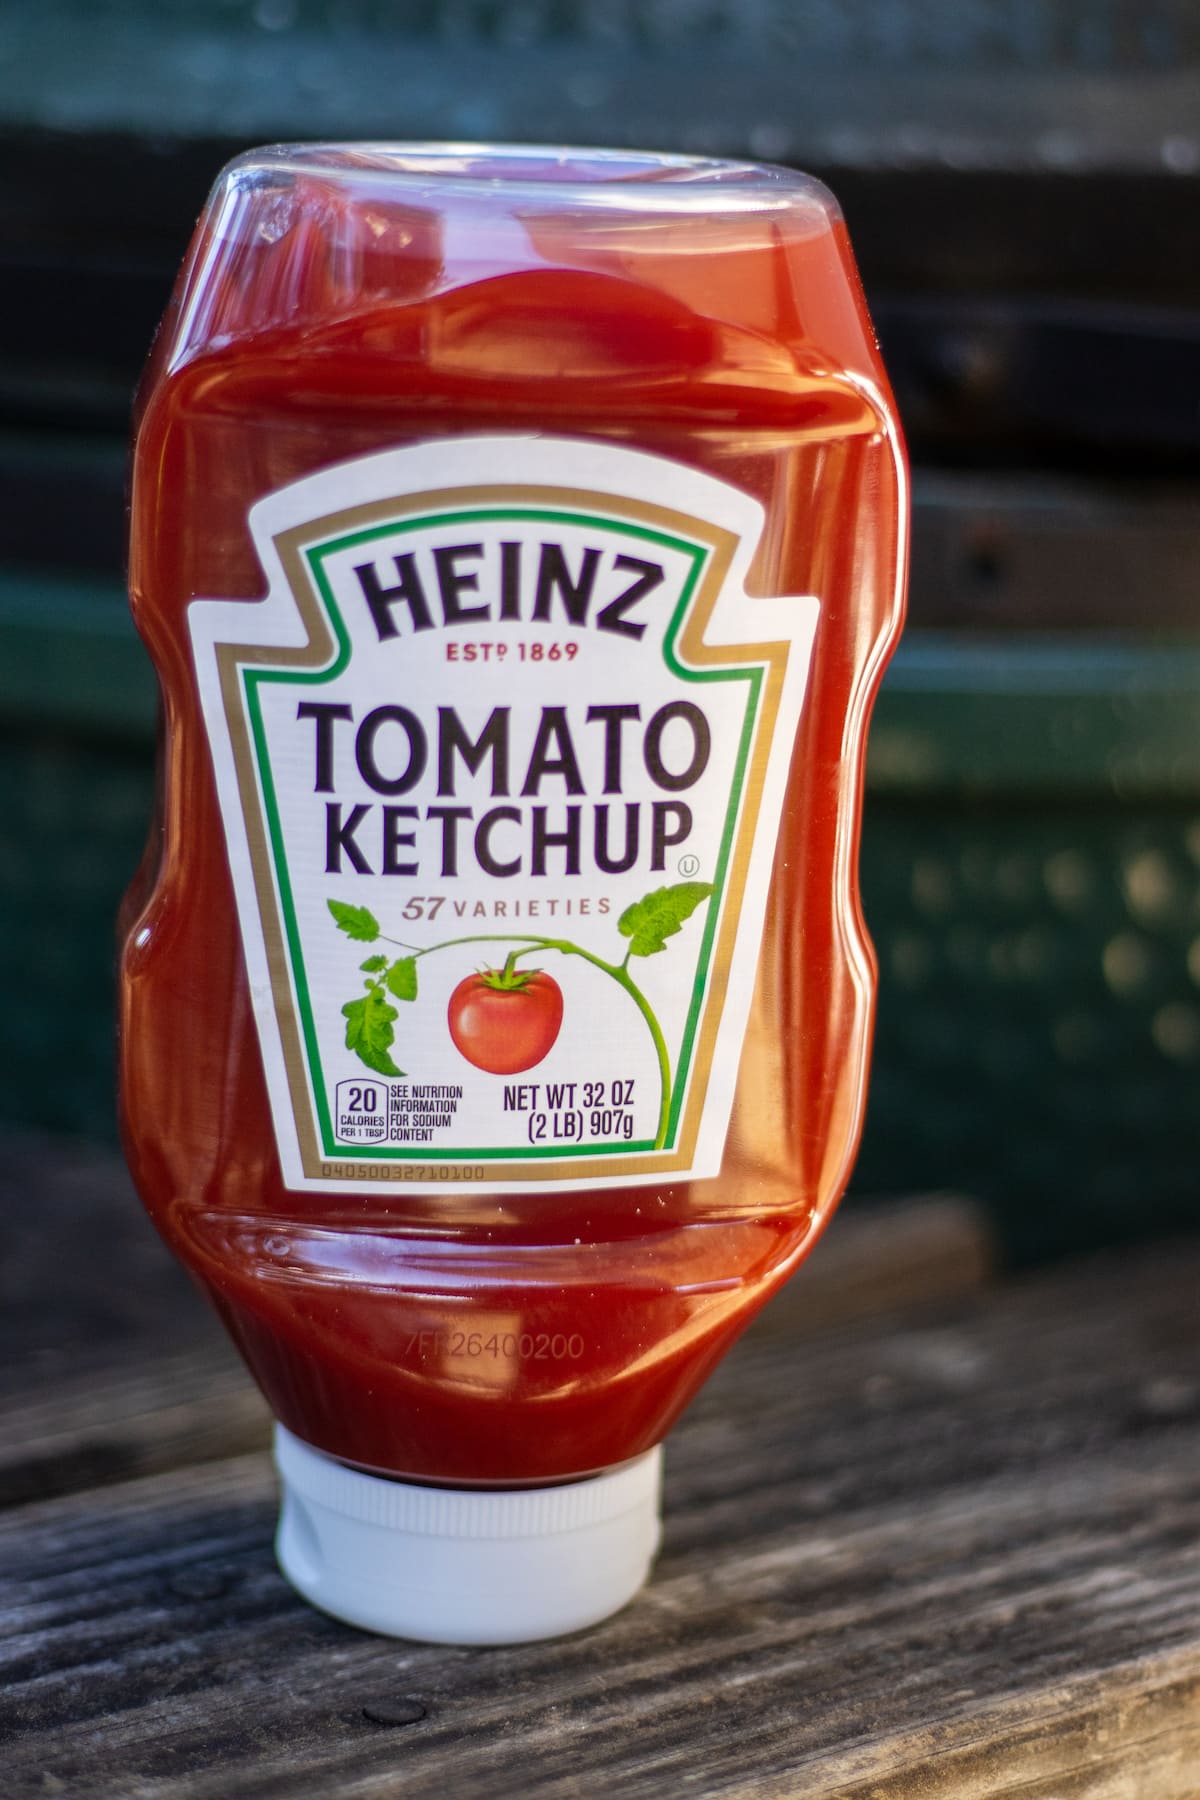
[519, 538]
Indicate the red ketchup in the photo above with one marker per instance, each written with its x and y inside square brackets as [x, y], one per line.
[519, 538]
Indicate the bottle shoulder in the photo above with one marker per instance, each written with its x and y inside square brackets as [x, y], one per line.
[316, 261]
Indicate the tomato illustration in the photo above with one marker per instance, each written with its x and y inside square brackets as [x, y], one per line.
[505, 1020]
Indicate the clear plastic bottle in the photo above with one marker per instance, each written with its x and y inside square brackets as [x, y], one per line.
[496, 1001]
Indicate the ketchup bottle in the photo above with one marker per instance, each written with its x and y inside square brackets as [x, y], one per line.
[519, 538]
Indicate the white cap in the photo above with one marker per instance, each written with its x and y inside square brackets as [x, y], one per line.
[464, 1565]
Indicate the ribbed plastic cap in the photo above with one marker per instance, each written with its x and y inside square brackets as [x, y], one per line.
[464, 1566]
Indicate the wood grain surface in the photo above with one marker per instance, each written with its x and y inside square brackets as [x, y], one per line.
[945, 1548]
[111, 1364]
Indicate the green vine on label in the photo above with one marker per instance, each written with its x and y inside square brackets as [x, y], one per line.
[650, 921]
[401, 978]
[369, 1030]
[647, 923]
[355, 921]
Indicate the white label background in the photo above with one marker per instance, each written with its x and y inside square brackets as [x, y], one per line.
[603, 1038]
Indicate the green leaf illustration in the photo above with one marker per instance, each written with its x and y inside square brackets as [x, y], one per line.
[373, 965]
[369, 1031]
[650, 921]
[402, 978]
[355, 921]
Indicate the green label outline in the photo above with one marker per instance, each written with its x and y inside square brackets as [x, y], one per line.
[253, 679]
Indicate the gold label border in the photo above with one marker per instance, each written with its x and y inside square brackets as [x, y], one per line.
[318, 651]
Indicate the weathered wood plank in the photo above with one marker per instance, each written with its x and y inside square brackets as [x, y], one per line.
[82, 1273]
[883, 1257]
[111, 1365]
[949, 1557]
[154, 1408]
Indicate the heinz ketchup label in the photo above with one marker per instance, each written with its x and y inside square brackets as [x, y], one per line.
[500, 760]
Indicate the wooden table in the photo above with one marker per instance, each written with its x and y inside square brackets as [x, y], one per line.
[929, 1534]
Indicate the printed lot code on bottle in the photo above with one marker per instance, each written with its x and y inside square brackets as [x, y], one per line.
[509, 1346]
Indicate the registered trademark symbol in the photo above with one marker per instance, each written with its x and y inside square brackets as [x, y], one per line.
[689, 865]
